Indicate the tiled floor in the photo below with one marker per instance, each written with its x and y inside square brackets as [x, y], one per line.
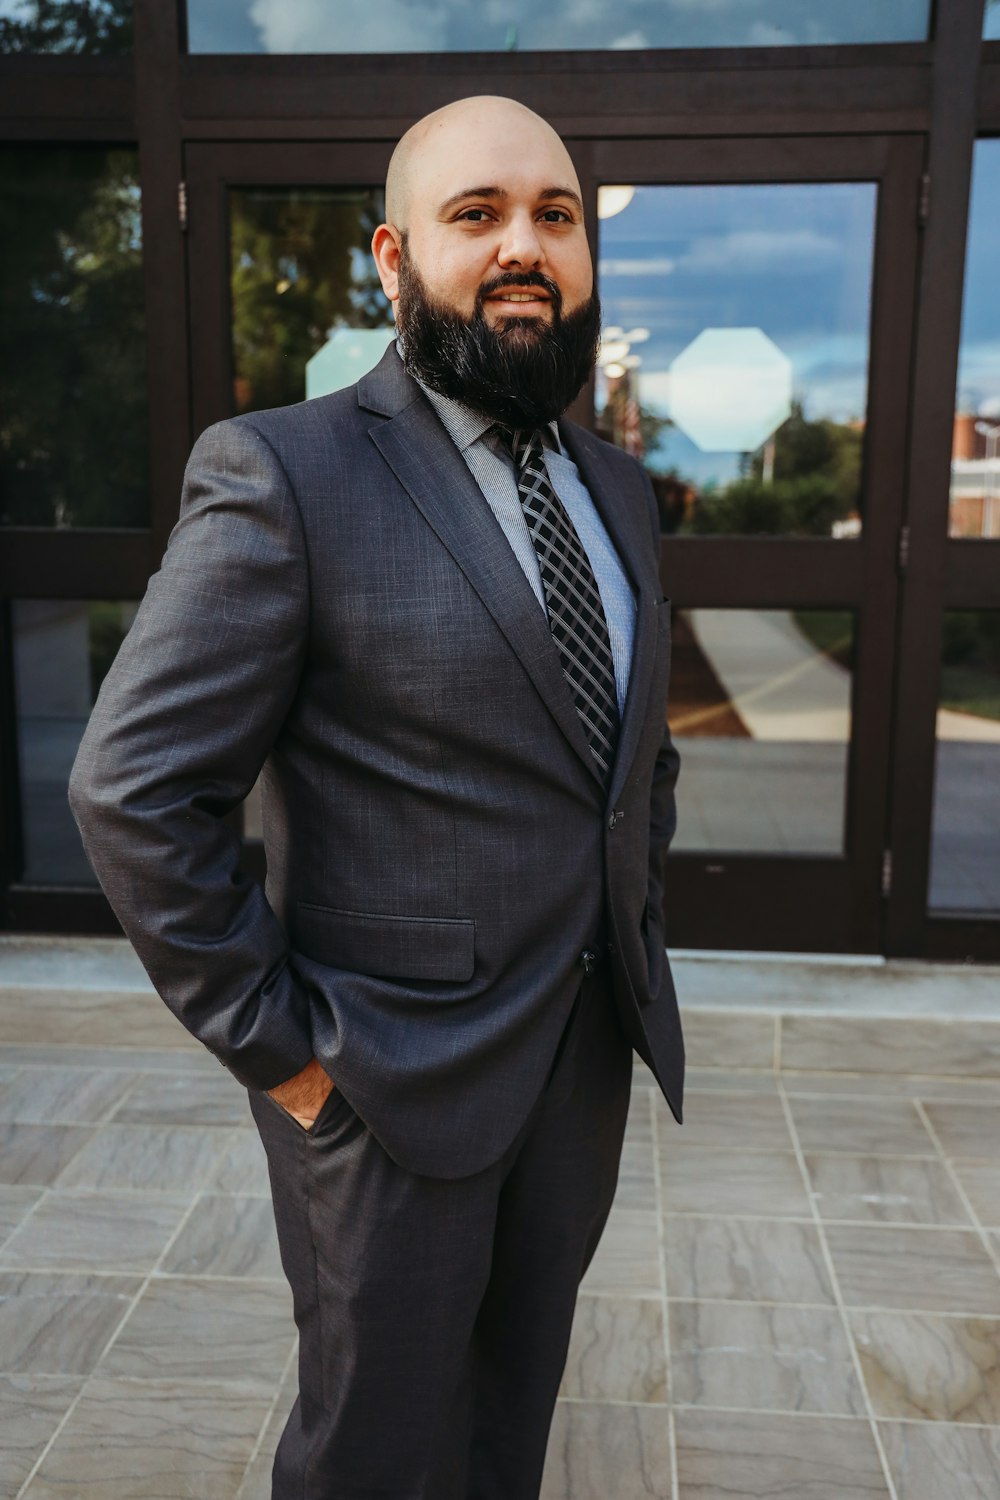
[797, 1294]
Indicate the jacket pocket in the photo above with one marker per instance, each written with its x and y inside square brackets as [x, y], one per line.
[386, 947]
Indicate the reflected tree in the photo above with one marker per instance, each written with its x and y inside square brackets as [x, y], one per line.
[301, 266]
[73, 406]
[83, 27]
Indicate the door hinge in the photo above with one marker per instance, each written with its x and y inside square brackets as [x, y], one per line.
[886, 872]
[924, 201]
[182, 204]
[903, 551]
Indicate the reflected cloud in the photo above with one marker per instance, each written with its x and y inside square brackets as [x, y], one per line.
[317, 26]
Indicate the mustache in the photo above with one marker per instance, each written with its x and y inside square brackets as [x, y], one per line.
[515, 281]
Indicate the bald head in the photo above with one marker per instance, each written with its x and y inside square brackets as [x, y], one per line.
[473, 131]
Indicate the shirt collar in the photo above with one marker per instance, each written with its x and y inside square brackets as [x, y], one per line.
[464, 425]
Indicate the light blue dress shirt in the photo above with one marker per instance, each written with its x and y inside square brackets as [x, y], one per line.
[492, 467]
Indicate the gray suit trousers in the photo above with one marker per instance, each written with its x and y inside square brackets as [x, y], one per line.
[434, 1314]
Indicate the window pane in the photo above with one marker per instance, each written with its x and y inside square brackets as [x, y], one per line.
[975, 459]
[735, 354]
[965, 849]
[72, 338]
[760, 706]
[62, 652]
[525, 26]
[95, 28]
[991, 20]
[308, 312]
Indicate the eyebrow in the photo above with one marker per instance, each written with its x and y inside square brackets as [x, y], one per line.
[546, 195]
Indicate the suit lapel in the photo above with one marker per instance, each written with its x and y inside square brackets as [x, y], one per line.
[628, 529]
[436, 477]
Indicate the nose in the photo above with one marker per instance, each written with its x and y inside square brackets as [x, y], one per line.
[521, 246]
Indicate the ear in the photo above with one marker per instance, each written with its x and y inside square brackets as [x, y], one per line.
[385, 249]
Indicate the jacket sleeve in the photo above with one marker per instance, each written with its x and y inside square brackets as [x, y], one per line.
[663, 804]
[195, 699]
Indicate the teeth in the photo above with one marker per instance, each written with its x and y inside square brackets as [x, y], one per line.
[520, 297]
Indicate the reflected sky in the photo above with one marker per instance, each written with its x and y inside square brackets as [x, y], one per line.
[523, 25]
[792, 259]
[979, 359]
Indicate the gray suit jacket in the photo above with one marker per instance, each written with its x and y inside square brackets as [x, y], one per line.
[339, 608]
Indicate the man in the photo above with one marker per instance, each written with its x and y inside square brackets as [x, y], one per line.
[431, 614]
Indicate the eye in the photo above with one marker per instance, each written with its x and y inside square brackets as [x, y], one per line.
[474, 215]
[556, 216]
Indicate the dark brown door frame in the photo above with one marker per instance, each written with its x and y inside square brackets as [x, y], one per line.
[939, 573]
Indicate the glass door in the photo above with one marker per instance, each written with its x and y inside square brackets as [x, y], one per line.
[757, 300]
[757, 304]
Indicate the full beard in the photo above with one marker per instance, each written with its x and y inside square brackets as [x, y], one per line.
[521, 372]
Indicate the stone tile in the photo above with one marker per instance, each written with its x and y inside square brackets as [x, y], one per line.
[740, 1354]
[628, 1256]
[31, 1408]
[146, 1158]
[745, 1260]
[923, 1366]
[242, 1167]
[636, 1176]
[885, 1189]
[59, 1324]
[875, 1044]
[185, 1099]
[737, 1121]
[226, 1236]
[158, 1440]
[187, 1055]
[595, 1451]
[257, 1480]
[617, 1351]
[724, 1182]
[967, 1129]
[722, 1039]
[95, 1231]
[15, 1202]
[36, 1154]
[96, 1018]
[758, 1457]
[932, 1270]
[206, 1330]
[938, 1462]
[730, 1080]
[889, 1085]
[66, 1096]
[879, 1127]
[981, 1181]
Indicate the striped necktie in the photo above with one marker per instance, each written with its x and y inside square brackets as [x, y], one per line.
[573, 601]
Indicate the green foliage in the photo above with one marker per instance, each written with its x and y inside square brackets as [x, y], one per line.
[970, 662]
[816, 480]
[803, 506]
[300, 267]
[83, 27]
[831, 631]
[73, 406]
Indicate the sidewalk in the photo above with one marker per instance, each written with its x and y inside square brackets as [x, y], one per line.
[798, 1293]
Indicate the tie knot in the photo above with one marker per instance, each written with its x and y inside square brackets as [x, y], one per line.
[523, 443]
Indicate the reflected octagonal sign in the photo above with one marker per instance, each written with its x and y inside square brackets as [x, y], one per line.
[730, 388]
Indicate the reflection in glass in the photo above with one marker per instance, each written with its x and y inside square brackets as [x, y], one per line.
[991, 20]
[302, 277]
[965, 846]
[735, 353]
[72, 338]
[62, 652]
[760, 706]
[93, 28]
[975, 454]
[525, 26]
